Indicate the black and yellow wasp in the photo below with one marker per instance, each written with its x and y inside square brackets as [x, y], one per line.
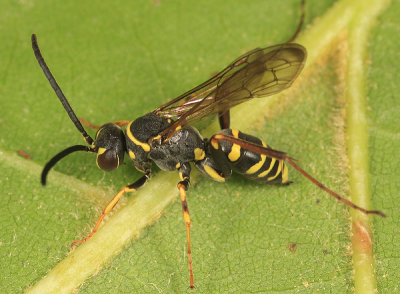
[166, 135]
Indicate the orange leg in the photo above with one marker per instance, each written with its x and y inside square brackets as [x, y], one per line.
[130, 188]
[88, 124]
[182, 186]
[121, 123]
[184, 173]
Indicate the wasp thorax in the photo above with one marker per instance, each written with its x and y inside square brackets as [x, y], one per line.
[110, 146]
[138, 135]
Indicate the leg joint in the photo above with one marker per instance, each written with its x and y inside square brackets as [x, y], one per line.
[184, 184]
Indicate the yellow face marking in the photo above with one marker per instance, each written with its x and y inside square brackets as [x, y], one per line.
[256, 167]
[271, 165]
[178, 165]
[131, 154]
[145, 146]
[199, 154]
[213, 174]
[277, 172]
[285, 173]
[101, 150]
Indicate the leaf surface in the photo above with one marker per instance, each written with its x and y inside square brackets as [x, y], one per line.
[119, 60]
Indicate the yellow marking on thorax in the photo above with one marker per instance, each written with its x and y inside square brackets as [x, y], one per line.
[271, 165]
[145, 146]
[199, 154]
[277, 172]
[235, 150]
[213, 174]
[256, 167]
[131, 154]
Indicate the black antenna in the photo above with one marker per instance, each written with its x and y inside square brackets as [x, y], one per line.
[300, 24]
[58, 91]
[60, 156]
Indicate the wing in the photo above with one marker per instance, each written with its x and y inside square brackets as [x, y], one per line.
[258, 73]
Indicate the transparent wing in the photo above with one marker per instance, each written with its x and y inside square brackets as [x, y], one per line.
[258, 73]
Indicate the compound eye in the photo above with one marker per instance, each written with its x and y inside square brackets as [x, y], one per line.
[107, 159]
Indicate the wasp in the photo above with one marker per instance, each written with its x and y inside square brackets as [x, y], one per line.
[167, 137]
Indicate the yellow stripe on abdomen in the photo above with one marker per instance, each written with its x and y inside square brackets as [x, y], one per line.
[256, 167]
[277, 172]
[235, 150]
[271, 165]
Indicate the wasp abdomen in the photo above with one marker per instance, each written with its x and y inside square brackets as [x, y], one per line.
[253, 165]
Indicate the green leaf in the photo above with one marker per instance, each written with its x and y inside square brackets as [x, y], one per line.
[120, 60]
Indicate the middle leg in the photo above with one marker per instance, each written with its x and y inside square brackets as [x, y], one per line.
[184, 173]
